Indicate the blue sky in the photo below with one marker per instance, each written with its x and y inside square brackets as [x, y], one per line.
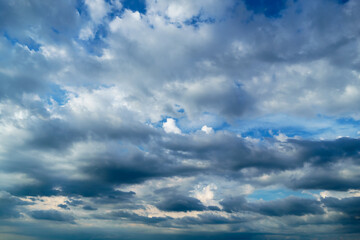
[179, 119]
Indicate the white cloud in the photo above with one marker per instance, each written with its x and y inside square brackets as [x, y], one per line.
[207, 130]
[170, 126]
[98, 9]
[206, 194]
[86, 33]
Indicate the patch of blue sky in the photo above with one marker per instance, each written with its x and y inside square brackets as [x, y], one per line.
[273, 8]
[30, 43]
[270, 8]
[199, 19]
[96, 44]
[179, 109]
[115, 13]
[142, 148]
[260, 133]
[320, 127]
[280, 193]
[222, 126]
[135, 5]
[55, 30]
[181, 122]
[58, 94]
[188, 125]
[81, 8]
[160, 123]
[348, 121]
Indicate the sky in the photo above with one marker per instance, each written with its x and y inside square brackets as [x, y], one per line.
[179, 119]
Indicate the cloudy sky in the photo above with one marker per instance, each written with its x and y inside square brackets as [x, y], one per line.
[159, 119]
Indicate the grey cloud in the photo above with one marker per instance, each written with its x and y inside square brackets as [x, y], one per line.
[289, 206]
[9, 204]
[209, 218]
[282, 207]
[89, 208]
[50, 183]
[234, 204]
[228, 154]
[228, 151]
[135, 167]
[52, 215]
[229, 100]
[178, 203]
[74, 202]
[350, 206]
[329, 178]
[137, 218]
[53, 17]
[60, 134]
[63, 206]
[323, 152]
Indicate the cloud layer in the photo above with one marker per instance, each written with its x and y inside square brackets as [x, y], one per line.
[179, 119]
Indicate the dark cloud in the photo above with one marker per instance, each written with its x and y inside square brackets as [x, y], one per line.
[9, 205]
[63, 206]
[282, 207]
[288, 206]
[179, 203]
[89, 208]
[74, 202]
[52, 215]
[329, 178]
[133, 217]
[234, 204]
[226, 151]
[136, 167]
[330, 151]
[114, 197]
[349, 206]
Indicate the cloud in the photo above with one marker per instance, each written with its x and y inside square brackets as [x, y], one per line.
[207, 129]
[282, 207]
[170, 126]
[124, 114]
[133, 217]
[52, 215]
[180, 204]
[9, 204]
[89, 208]
[349, 206]
[97, 9]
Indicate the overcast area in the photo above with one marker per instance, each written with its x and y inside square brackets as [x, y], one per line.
[181, 119]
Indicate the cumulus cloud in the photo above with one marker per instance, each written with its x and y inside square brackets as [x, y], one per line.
[150, 118]
[207, 129]
[170, 126]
